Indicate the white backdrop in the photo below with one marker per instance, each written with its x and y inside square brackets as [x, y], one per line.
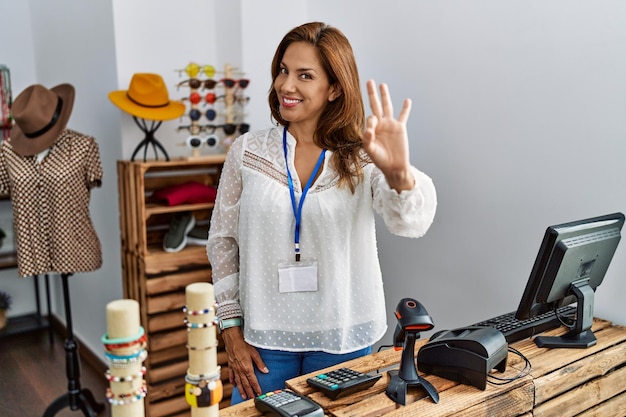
[519, 116]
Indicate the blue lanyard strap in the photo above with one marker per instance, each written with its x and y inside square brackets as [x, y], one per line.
[297, 210]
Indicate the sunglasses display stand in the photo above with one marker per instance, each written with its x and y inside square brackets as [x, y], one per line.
[232, 95]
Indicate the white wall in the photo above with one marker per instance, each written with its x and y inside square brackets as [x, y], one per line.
[518, 116]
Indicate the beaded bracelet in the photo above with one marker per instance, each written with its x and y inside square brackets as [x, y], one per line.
[122, 340]
[141, 340]
[127, 362]
[203, 347]
[200, 325]
[127, 398]
[128, 378]
[199, 312]
[140, 347]
[195, 379]
[128, 357]
[138, 391]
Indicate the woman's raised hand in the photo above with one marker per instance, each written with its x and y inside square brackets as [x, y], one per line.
[385, 139]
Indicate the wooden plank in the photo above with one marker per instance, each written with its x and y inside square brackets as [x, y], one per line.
[454, 401]
[584, 397]
[176, 281]
[529, 349]
[164, 373]
[166, 321]
[172, 387]
[512, 403]
[579, 372]
[165, 303]
[158, 261]
[165, 340]
[174, 353]
[167, 407]
[613, 407]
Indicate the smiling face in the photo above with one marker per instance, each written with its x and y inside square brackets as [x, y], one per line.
[302, 87]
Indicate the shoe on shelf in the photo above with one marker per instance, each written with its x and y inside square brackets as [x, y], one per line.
[198, 236]
[176, 237]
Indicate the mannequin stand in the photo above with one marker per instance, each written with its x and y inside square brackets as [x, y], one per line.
[149, 139]
[76, 398]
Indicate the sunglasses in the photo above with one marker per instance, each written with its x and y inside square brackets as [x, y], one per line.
[230, 83]
[195, 114]
[195, 83]
[196, 141]
[192, 69]
[211, 98]
[229, 128]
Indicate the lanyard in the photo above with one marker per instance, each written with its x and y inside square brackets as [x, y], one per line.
[297, 211]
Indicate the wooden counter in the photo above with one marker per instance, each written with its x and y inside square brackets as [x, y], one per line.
[562, 382]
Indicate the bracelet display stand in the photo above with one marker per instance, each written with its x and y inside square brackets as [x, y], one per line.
[125, 349]
[203, 384]
[77, 398]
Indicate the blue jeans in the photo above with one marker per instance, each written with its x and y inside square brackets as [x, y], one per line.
[286, 365]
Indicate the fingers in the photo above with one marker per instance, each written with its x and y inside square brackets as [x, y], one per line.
[373, 97]
[406, 110]
[383, 106]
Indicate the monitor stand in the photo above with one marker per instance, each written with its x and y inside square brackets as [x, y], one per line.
[581, 336]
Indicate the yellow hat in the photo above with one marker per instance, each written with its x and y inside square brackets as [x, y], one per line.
[147, 98]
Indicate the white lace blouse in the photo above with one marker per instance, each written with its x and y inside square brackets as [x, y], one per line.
[252, 232]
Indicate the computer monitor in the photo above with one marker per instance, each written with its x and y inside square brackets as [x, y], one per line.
[572, 261]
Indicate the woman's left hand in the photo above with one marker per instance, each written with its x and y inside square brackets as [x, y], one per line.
[385, 139]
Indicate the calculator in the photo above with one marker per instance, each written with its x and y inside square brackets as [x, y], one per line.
[286, 403]
[342, 382]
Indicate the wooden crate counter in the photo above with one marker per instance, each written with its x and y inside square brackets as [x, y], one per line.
[563, 382]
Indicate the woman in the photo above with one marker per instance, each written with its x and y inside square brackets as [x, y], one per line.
[292, 241]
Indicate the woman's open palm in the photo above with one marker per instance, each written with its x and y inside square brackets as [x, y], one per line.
[385, 139]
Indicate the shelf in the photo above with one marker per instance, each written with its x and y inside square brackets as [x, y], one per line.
[23, 324]
[8, 260]
[152, 209]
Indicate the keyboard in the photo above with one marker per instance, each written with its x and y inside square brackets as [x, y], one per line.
[515, 329]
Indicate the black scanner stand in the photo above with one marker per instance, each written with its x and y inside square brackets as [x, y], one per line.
[407, 375]
[412, 319]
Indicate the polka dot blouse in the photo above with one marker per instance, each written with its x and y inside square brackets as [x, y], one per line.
[50, 201]
[252, 232]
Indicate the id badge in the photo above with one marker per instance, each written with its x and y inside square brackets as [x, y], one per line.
[297, 276]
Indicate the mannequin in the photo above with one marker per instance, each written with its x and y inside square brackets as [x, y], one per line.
[49, 171]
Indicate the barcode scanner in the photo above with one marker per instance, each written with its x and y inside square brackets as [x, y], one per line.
[412, 319]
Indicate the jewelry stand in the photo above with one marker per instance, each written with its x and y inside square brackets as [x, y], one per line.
[76, 398]
[149, 139]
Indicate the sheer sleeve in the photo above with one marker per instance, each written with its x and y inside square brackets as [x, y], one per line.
[223, 244]
[408, 213]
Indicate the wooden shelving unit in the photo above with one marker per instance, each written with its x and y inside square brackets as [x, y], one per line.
[157, 279]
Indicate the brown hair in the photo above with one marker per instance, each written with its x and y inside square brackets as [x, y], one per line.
[340, 128]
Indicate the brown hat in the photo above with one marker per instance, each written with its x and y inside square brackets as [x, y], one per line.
[147, 98]
[40, 116]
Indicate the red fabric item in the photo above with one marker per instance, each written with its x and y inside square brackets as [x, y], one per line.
[187, 193]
